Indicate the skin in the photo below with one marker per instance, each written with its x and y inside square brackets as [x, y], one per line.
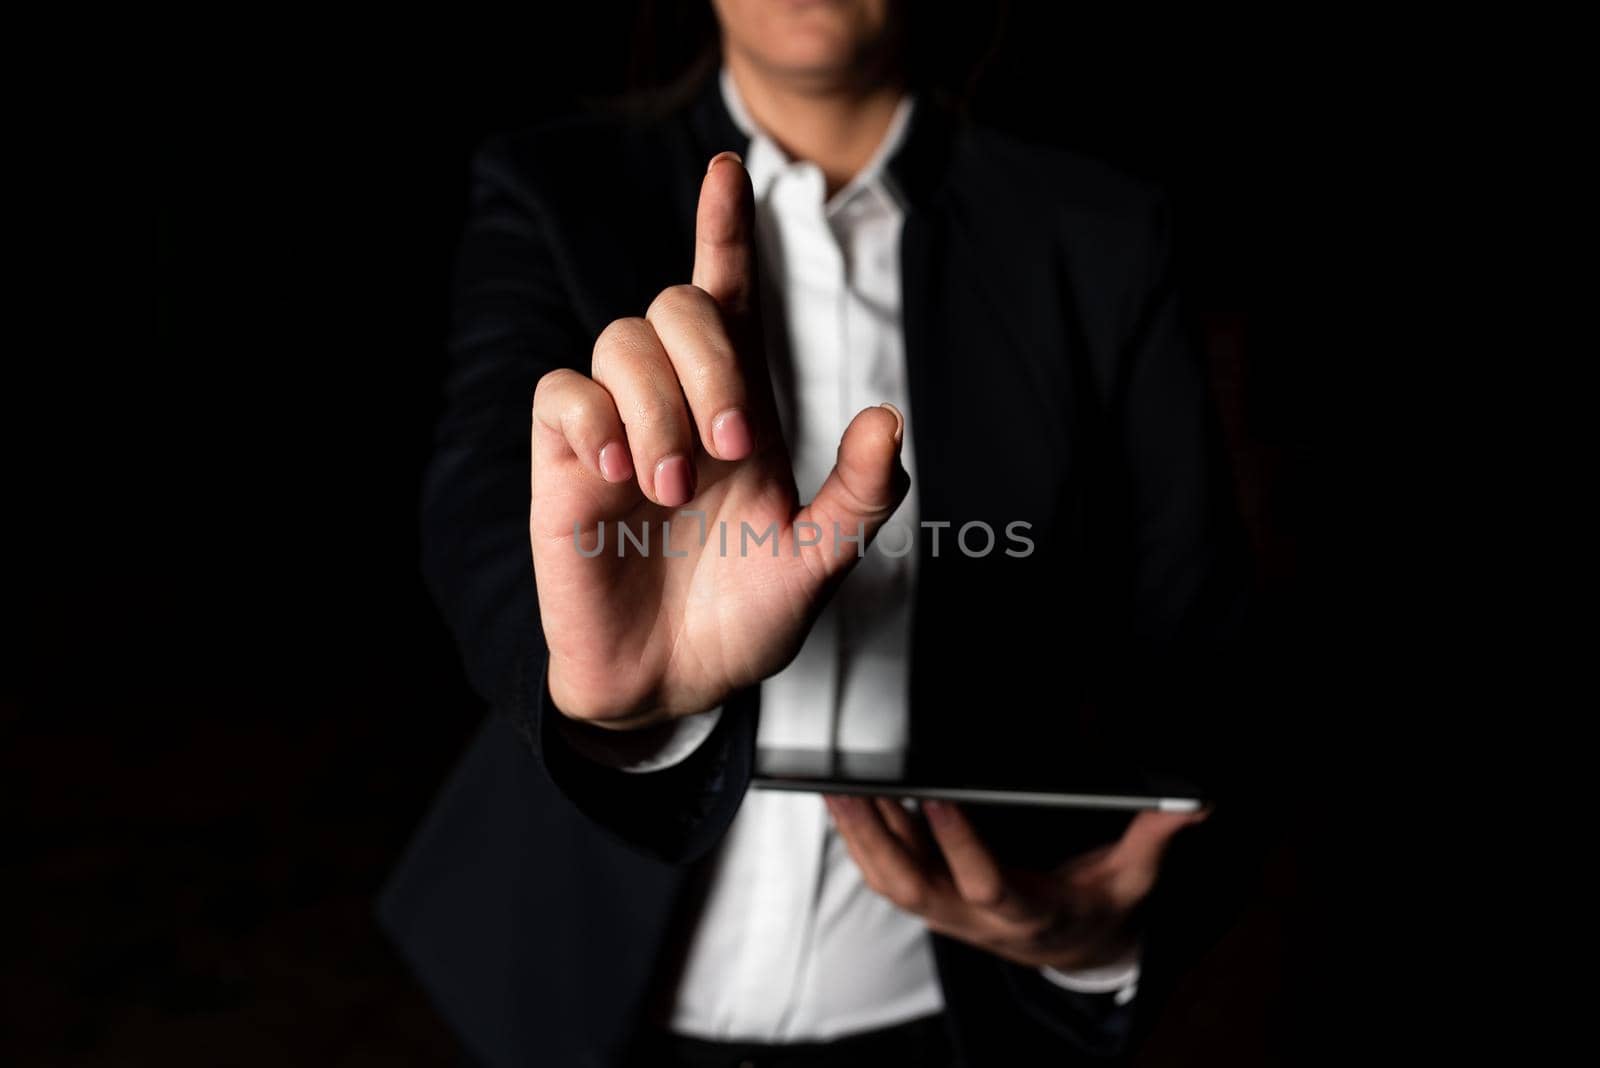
[680, 409]
[678, 412]
[1079, 915]
[820, 76]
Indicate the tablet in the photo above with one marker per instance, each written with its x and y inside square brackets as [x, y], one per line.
[887, 773]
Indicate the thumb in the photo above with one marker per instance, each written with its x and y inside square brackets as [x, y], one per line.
[1136, 858]
[866, 485]
[1150, 833]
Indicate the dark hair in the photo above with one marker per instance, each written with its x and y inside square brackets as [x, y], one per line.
[946, 48]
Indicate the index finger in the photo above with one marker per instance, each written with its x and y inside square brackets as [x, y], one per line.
[976, 873]
[724, 263]
[886, 864]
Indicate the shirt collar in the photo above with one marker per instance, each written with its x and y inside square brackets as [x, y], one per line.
[766, 159]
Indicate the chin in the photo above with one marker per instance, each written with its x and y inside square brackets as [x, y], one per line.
[813, 61]
[818, 41]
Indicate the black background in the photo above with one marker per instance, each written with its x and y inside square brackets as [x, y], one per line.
[233, 699]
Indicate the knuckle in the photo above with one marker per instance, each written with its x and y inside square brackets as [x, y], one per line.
[621, 342]
[679, 300]
[552, 384]
[624, 332]
[986, 893]
[717, 364]
[580, 410]
[657, 414]
[912, 897]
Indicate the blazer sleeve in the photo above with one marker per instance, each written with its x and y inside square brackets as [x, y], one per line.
[513, 321]
[1096, 1026]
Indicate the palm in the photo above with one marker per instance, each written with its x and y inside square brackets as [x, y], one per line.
[674, 632]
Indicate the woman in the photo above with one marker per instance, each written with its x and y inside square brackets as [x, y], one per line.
[858, 317]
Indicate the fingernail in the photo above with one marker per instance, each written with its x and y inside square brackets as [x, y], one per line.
[899, 422]
[722, 156]
[730, 433]
[937, 811]
[674, 481]
[615, 465]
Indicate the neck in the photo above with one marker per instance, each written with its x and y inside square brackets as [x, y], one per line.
[836, 128]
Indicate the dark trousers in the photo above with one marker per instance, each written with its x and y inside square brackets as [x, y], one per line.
[920, 1043]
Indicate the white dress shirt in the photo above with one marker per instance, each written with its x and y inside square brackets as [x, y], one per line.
[791, 945]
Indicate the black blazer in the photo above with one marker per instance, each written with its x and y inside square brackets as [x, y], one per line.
[1050, 383]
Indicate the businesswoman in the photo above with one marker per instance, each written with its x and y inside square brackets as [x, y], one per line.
[810, 309]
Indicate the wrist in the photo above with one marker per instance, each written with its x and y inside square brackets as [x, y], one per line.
[1112, 945]
[596, 707]
[600, 708]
